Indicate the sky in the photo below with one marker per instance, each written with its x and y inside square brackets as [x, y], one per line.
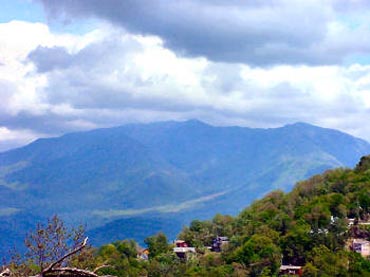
[74, 65]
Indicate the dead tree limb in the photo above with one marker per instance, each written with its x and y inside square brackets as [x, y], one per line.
[5, 272]
[101, 266]
[79, 248]
[53, 270]
[69, 271]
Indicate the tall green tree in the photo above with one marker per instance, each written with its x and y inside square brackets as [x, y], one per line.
[157, 244]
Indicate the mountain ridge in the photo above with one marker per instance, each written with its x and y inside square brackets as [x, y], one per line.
[165, 168]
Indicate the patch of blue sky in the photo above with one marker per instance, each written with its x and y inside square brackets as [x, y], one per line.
[77, 27]
[23, 10]
[350, 21]
[32, 11]
[359, 58]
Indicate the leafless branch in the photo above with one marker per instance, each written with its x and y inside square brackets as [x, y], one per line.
[53, 271]
[69, 271]
[51, 266]
[5, 273]
[100, 267]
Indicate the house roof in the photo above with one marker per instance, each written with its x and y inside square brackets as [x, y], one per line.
[287, 267]
[361, 241]
[184, 249]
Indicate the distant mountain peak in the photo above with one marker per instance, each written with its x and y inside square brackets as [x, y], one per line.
[195, 122]
[300, 125]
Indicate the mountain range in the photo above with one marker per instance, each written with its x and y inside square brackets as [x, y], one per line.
[134, 180]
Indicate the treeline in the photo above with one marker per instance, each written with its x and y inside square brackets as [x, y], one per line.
[309, 227]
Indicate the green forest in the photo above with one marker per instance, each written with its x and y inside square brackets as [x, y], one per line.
[312, 227]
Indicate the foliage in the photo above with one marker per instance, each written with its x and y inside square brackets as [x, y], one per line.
[121, 256]
[157, 245]
[307, 227]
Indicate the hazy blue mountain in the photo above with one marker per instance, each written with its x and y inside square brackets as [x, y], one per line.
[115, 178]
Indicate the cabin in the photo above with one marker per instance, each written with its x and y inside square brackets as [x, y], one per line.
[351, 221]
[361, 246]
[143, 254]
[182, 250]
[180, 243]
[218, 243]
[290, 270]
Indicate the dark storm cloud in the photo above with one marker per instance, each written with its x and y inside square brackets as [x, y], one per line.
[253, 32]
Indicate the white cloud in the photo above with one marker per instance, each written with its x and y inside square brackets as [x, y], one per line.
[17, 39]
[13, 138]
[59, 83]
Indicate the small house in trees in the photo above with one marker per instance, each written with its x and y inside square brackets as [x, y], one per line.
[143, 254]
[361, 246]
[182, 250]
[180, 243]
[218, 243]
[290, 270]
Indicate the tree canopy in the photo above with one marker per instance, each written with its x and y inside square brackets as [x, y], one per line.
[311, 226]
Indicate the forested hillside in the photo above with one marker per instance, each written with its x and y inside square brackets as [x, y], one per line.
[312, 227]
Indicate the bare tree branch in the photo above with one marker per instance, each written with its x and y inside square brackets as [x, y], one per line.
[69, 271]
[101, 266]
[53, 271]
[51, 266]
[5, 273]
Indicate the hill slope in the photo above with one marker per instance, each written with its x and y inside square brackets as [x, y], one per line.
[169, 169]
[313, 226]
[320, 228]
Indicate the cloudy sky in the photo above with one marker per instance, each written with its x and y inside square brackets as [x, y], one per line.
[73, 65]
